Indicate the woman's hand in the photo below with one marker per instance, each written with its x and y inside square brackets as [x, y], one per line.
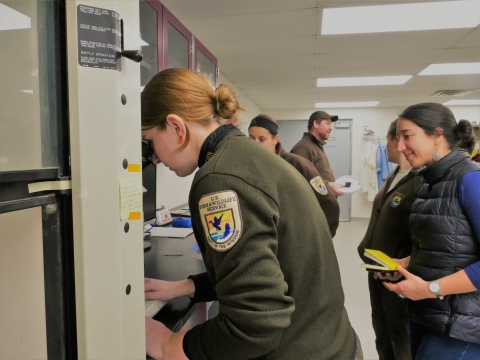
[161, 343]
[393, 275]
[167, 290]
[412, 287]
[156, 335]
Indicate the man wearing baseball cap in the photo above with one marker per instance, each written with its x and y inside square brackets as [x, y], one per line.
[311, 147]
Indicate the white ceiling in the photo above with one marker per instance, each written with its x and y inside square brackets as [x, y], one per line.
[273, 51]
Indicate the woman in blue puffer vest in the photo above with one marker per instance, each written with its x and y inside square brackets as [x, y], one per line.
[443, 271]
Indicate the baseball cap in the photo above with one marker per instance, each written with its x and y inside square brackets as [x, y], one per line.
[320, 115]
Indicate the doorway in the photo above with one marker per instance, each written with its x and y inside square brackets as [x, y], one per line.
[338, 149]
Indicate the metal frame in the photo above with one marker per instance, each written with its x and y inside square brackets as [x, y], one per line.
[57, 231]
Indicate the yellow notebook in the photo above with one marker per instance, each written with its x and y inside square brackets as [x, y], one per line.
[385, 262]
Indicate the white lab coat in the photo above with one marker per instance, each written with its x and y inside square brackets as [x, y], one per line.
[369, 171]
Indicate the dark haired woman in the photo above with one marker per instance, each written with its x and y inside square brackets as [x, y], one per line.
[269, 263]
[264, 130]
[443, 274]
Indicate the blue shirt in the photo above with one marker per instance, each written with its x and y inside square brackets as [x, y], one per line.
[469, 204]
[384, 168]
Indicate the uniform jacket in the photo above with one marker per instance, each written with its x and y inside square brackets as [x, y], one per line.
[444, 243]
[388, 229]
[279, 285]
[328, 202]
[311, 149]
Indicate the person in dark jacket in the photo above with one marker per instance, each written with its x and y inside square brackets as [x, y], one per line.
[389, 232]
[264, 130]
[266, 246]
[311, 145]
[443, 273]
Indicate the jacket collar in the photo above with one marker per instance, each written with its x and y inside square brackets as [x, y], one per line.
[211, 142]
[434, 173]
[311, 137]
[279, 150]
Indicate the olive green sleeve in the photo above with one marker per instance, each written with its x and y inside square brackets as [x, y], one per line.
[254, 306]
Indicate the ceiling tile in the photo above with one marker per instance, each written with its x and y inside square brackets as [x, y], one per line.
[188, 9]
[273, 25]
[289, 74]
[254, 91]
[263, 47]
[383, 58]
[459, 56]
[472, 39]
[275, 83]
[268, 63]
[370, 70]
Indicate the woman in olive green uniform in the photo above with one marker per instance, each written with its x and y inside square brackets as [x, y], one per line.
[264, 130]
[270, 262]
[389, 232]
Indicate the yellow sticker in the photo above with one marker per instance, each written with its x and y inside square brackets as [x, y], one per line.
[318, 185]
[221, 219]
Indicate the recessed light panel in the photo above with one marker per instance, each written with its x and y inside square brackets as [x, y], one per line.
[401, 17]
[452, 68]
[363, 81]
[462, 102]
[11, 19]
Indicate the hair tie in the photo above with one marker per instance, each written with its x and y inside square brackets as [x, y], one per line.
[218, 105]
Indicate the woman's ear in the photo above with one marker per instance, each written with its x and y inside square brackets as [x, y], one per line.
[438, 135]
[276, 139]
[176, 124]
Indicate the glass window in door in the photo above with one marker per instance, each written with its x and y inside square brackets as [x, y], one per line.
[178, 48]
[149, 42]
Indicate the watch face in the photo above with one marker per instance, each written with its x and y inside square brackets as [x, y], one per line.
[434, 287]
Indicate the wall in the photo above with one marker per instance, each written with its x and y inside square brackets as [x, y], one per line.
[173, 190]
[377, 119]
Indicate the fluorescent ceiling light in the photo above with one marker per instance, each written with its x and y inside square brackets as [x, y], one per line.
[11, 19]
[347, 104]
[401, 17]
[462, 102]
[452, 69]
[363, 81]
[27, 91]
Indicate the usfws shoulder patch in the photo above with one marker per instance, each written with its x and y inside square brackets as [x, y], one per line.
[318, 185]
[221, 219]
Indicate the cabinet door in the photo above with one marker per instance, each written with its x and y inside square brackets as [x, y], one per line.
[205, 62]
[177, 42]
[151, 39]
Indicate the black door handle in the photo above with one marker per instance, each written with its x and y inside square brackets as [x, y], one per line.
[134, 55]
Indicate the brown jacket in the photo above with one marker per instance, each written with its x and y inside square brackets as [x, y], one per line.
[328, 202]
[311, 149]
[389, 230]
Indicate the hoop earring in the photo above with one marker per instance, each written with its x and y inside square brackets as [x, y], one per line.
[436, 155]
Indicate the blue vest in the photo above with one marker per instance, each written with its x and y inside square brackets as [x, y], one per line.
[444, 243]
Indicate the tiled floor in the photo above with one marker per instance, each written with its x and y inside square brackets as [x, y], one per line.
[354, 281]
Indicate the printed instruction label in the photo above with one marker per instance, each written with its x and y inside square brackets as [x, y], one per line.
[99, 38]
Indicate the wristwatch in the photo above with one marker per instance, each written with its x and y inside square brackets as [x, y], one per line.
[434, 288]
